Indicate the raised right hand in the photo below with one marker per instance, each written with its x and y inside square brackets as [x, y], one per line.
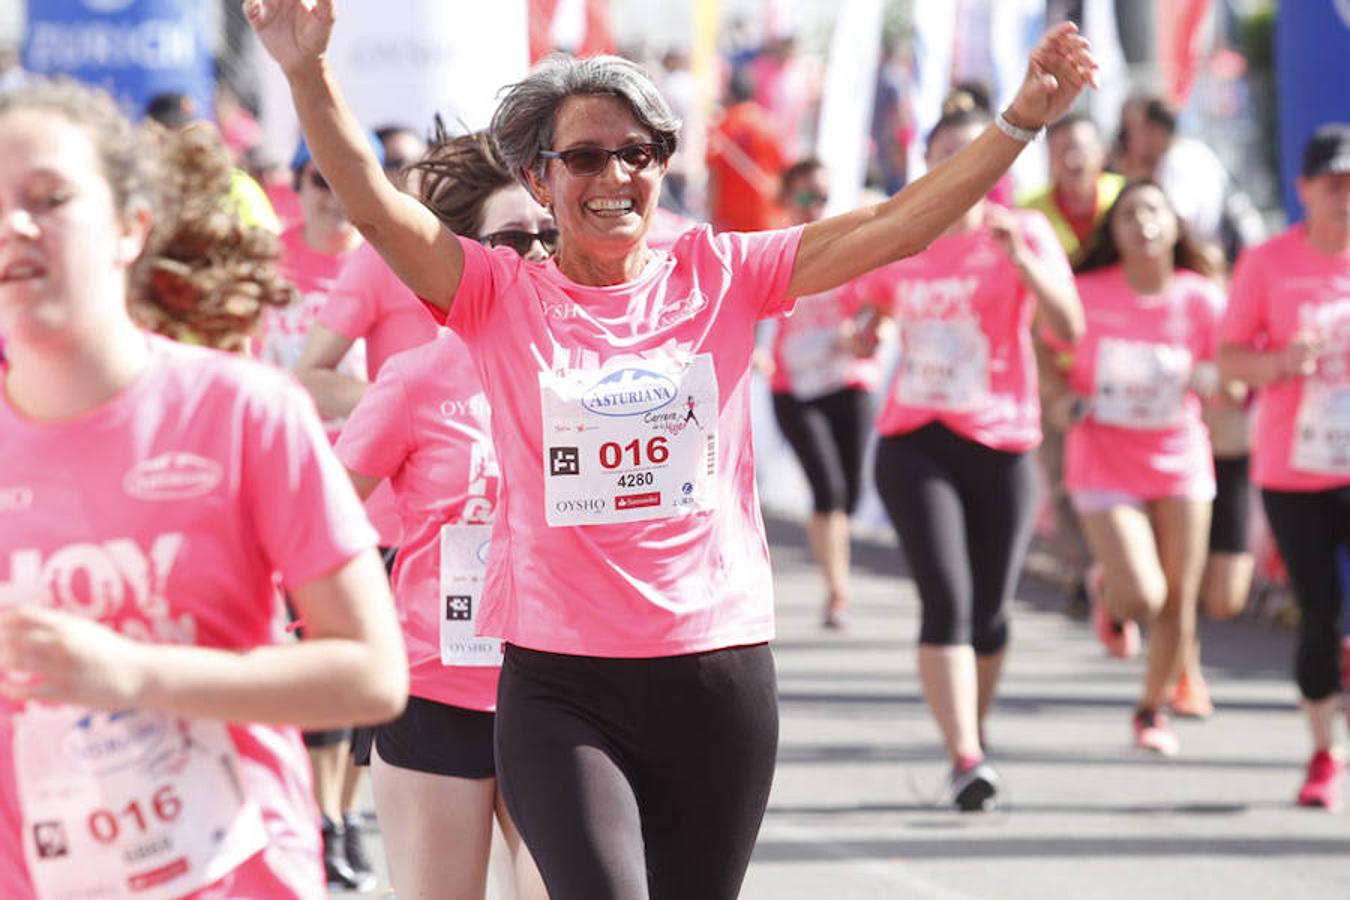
[293, 32]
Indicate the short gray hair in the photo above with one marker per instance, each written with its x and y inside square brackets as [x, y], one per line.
[524, 121]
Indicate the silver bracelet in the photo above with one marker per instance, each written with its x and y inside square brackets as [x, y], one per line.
[1025, 135]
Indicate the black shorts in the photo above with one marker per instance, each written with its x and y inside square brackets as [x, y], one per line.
[1232, 505]
[435, 738]
[329, 738]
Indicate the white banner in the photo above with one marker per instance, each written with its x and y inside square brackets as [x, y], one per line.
[846, 108]
[401, 64]
[934, 38]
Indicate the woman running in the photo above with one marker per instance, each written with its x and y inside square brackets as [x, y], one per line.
[145, 684]
[955, 467]
[629, 576]
[820, 399]
[1287, 333]
[423, 425]
[1138, 463]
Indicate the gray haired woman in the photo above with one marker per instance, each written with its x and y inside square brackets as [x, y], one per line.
[629, 573]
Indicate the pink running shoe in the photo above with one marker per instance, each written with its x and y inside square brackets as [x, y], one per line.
[1121, 639]
[1322, 787]
[1152, 732]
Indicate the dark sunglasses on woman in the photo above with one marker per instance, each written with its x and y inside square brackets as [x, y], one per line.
[522, 241]
[593, 160]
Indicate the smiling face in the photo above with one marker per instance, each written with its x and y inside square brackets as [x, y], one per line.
[1076, 158]
[65, 249]
[603, 216]
[513, 209]
[1143, 225]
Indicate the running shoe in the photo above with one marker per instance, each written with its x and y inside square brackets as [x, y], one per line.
[974, 788]
[338, 872]
[354, 847]
[1190, 698]
[1152, 732]
[1322, 787]
[1121, 639]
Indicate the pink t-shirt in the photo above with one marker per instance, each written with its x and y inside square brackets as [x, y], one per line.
[282, 334]
[1143, 434]
[809, 359]
[630, 523]
[424, 425]
[211, 480]
[369, 301]
[966, 357]
[1279, 289]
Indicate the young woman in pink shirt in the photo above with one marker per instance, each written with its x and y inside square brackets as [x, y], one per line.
[423, 425]
[821, 392]
[1138, 465]
[154, 496]
[629, 576]
[1287, 333]
[955, 466]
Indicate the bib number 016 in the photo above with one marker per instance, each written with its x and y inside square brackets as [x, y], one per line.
[106, 825]
[653, 452]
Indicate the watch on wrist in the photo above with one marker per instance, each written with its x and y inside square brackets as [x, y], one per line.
[1016, 132]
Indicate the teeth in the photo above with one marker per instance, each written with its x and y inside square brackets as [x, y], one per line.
[15, 273]
[609, 205]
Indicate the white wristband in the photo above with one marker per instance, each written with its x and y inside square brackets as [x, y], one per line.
[1025, 135]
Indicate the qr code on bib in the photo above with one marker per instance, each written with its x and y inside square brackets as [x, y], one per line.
[458, 608]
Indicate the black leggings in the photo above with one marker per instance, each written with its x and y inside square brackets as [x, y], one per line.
[964, 515]
[638, 778]
[827, 434]
[1310, 527]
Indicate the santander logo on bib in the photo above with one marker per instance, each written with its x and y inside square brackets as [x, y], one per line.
[172, 476]
[629, 392]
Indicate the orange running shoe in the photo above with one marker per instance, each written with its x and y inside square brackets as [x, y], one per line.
[1190, 698]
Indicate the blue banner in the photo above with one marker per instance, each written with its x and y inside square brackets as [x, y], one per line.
[133, 48]
[1312, 77]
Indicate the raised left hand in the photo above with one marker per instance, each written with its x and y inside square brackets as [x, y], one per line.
[1061, 65]
[52, 656]
[1003, 228]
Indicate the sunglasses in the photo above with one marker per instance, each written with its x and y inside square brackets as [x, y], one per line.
[593, 160]
[522, 241]
[810, 198]
[318, 180]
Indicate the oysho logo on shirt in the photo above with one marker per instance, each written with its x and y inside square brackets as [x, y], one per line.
[16, 498]
[629, 392]
[173, 476]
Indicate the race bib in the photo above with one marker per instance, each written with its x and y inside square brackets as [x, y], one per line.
[816, 363]
[464, 555]
[1140, 385]
[944, 365]
[634, 441]
[129, 804]
[1322, 430]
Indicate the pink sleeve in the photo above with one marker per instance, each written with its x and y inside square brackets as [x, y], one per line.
[1244, 323]
[1210, 302]
[1044, 244]
[477, 289]
[304, 510]
[764, 260]
[353, 305]
[377, 437]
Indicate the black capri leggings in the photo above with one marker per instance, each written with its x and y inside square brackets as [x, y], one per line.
[827, 435]
[1310, 527]
[964, 514]
[638, 778]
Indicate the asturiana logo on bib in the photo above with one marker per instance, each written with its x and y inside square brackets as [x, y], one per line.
[173, 476]
[629, 392]
[105, 742]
